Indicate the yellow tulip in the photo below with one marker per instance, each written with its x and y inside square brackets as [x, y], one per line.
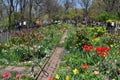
[75, 71]
[57, 76]
[67, 78]
[111, 45]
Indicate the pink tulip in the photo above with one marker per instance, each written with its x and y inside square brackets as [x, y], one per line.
[18, 76]
[96, 72]
[6, 75]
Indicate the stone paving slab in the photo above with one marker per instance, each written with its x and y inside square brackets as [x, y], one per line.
[25, 71]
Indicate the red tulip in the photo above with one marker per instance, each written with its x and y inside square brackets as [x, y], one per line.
[98, 50]
[86, 49]
[91, 47]
[85, 46]
[102, 55]
[105, 49]
[51, 78]
[6, 75]
[84, 66]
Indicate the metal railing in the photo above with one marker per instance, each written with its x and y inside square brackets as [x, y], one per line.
[114, 31]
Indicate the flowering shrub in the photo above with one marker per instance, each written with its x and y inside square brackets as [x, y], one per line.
[81, 38]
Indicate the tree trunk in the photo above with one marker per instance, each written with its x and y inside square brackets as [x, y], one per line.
[30, 10]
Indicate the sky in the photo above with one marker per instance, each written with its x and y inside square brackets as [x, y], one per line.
[78, 5]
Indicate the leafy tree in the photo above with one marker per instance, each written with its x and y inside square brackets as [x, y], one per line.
[103, 17]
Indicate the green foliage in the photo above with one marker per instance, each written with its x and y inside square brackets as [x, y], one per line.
[112, 40]
[69, 43]
[103, 17]
[96, 31]
[17, 16]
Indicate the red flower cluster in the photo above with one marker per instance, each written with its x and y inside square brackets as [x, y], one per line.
[87, 48]
[102, 51]
[7, 74]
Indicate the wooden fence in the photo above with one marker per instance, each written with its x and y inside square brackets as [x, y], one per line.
[4, 36]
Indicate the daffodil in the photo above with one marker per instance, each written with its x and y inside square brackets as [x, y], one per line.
[75, 71]
[57, 76]
[67, 78]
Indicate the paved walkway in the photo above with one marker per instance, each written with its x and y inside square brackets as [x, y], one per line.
[53, 62]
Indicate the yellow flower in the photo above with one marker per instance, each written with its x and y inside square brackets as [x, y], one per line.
[57, 76]
[97, 39]
[75, 71]
[111, 45]
[67, 78]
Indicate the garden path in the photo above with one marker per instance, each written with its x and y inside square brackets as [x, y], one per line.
[54, 61]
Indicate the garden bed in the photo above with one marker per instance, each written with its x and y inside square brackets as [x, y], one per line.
[90, 54]
[32, 47]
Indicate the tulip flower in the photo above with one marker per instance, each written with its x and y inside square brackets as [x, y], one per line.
[96, 72]
[18, 76]
[87, 48]
[91, 47]
[98, 49]
[57, 76]
[67, 78]
[84, 66]
[4, 47]
[6, 75]
[51, 78]
[102, 51]
[75, 71]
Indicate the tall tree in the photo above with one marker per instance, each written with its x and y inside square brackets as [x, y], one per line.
[10, 10]
[38, 8]
[85, 4]
[112, 6]
[1, 10]
[52, 7]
